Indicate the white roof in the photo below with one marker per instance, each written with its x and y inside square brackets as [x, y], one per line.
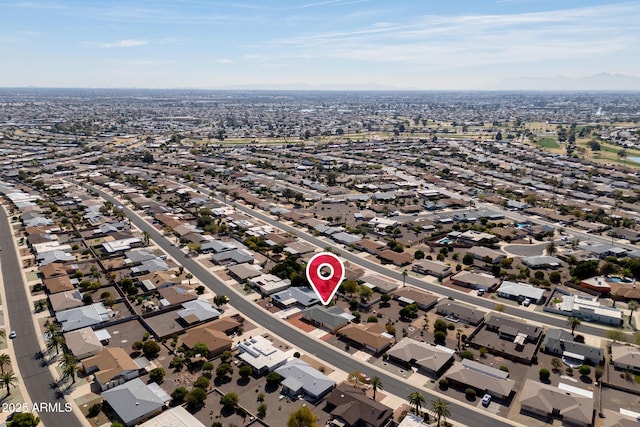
[174, 417]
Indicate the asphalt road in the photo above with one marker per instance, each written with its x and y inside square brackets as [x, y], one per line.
[35, 377]
[344, 361]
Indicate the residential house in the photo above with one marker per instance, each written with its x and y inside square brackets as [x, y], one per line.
[350, 407]
[268, 284]
[295, 296]
[197, 311]
[237, 256]
[83, 343]
[561, 343]
[460, 311]
[587, 307]
[410, 295]
[391, 257]
[80, 317]
[216, 340]
[330, 318]
[378, 283]
[244, 272]
[470, 279]
[485, 254]
[65, 300]
[59, 284]
[302, 379]
[482, 378]
[428, 359]
[625, 357]
[521, 291]
[372, 337]
[574, 406]
[133, 402]
[511, 329]
[111, 367]
[177, 416]
[540, 261]
[433, 268]
[261, 354]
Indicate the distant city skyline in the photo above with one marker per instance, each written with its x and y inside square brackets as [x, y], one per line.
[321, 44]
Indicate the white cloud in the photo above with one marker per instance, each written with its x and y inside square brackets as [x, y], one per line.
[124, 43]
[224, 61]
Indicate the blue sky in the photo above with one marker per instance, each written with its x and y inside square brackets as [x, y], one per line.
[325, 44]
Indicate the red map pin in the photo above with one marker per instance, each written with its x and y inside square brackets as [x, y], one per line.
[325, 286]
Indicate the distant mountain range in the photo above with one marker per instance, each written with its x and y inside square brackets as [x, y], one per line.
[597, 82]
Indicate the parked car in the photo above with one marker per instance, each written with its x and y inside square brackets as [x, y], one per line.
[486, 399]
[526, 302]
[12, 335]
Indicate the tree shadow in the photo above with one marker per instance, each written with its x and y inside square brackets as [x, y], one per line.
[243, 381]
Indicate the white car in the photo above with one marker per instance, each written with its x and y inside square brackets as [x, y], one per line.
[12, 335]
[486, 399]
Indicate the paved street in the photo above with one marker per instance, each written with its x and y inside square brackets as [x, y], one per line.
[461, 413]
[35, 377]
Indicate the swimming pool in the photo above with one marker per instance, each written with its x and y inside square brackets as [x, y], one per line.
[616, 279]
[444, 241]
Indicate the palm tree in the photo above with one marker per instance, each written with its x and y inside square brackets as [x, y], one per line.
[376, 384]
[632, 306]
[417, 400]
[69, 366]
[55, 341]
[573, 323]
[8, 379]
[551, 249]
[404, 277]
[5, 360]
[189, 276]
[441, 409]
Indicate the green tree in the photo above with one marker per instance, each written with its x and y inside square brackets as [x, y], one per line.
[544, 374]
[441, 409]
[224, 370]
[585, 370]
[262, 410]
[24, 419]
[556, 364]
[5, 360]
[467, 259]
[69, 365]
[8, 379]
[195, 398]
[178, 395]
[156, 375]
[551, 249]
[273, 378]
[417, 400]
[376, 384]
[245, 371]
[302, 417]
[573, 322]
[632, 306]
[150, 349]
[202, 382]
[229, 400]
